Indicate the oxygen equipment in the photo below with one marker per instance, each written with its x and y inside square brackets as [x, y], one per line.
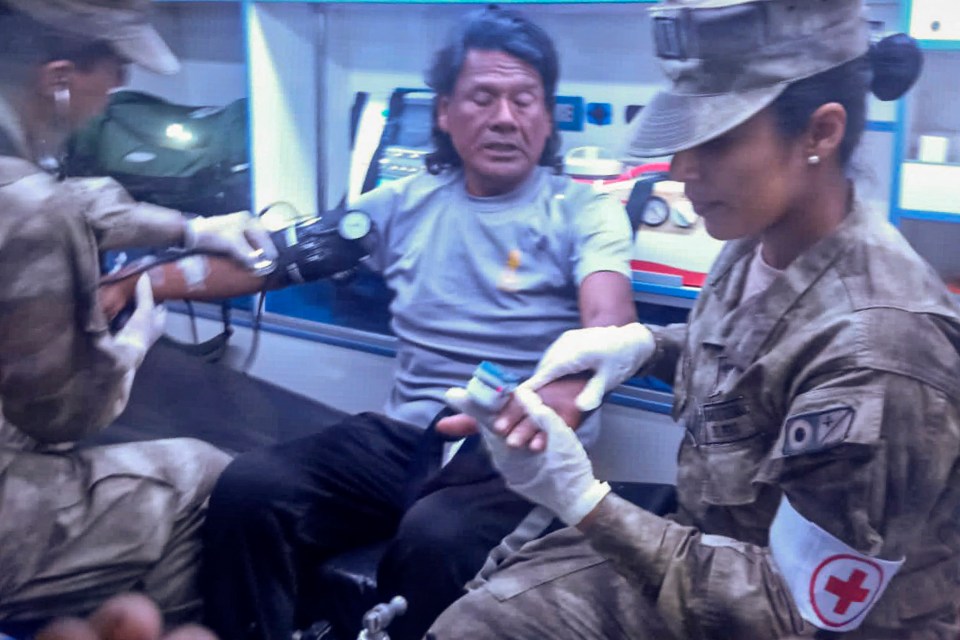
[187, 158]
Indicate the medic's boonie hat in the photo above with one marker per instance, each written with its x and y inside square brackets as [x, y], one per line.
[729, 59]
[122, 23]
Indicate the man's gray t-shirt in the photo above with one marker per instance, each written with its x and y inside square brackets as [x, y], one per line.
[484, 278]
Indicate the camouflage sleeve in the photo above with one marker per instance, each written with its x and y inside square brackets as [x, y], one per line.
[118, 221]
[670, 342]
[62, 376]
[849, 460]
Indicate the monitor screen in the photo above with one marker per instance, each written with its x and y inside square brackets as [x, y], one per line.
[416, 123]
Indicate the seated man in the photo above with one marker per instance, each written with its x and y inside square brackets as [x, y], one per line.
[491, 255]
[78, 525]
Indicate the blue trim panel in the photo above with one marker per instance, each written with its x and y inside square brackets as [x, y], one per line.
[939, 45]
[302, 334]
[664, 408]
[433, 1]
[936, 216]
[882, 125]
[454, 1]
[665, 290]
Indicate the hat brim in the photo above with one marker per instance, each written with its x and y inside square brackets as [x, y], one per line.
[675, 122]
[142, 45]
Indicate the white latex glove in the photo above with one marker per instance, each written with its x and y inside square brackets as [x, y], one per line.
[146, 323]
[560, 478]
[612, 353]
[142, 330]
[238, 235]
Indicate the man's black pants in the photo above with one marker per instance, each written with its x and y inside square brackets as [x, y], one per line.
[277, 513]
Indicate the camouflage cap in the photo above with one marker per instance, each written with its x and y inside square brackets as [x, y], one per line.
[122, 23]
[729, 59]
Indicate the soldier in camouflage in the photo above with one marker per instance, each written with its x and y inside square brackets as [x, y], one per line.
[817, 377]
[78, 525]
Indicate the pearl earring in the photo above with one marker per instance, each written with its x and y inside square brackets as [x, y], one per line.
[813, 160]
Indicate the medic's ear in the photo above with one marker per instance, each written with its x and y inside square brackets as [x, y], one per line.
[825, 131]
[443, 105]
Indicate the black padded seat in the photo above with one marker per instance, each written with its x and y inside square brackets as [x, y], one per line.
[340, 590]
[349, 580]
[175, 394]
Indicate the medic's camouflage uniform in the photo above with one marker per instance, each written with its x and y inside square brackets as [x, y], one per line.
[79, 525]
[839, 388]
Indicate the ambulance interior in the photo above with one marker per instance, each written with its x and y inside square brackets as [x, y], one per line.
[337, 105]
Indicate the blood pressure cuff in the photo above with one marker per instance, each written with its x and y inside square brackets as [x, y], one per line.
[311, 250]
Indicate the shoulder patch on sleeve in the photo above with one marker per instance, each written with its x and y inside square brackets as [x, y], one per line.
[821, 419]
[833, 586]
[810, 432]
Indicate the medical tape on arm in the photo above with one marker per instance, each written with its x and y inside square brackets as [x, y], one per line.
[194, 270]
[833, 585]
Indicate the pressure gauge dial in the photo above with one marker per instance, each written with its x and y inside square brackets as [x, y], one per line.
[655, 212]
[354, 225]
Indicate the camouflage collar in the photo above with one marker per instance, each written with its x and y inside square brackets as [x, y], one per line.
[15, 169]
[738, 249]
[13, 139]
[767, 310]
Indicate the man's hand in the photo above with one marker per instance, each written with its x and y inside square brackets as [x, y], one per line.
[513, 424]
[560, 478]
[238, 235]
[613, 354]
[117, 295]
[126, 617]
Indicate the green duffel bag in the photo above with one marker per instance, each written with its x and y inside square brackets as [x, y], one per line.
[194, 159]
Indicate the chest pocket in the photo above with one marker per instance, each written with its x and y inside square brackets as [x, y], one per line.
[725, 443]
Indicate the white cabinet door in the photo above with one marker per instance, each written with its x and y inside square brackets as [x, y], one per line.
[930, 187]
[935, 20]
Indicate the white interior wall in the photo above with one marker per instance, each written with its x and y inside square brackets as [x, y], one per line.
[605, 56]
[285, 83]
[935, 19]
[934, 103]
[208, 39]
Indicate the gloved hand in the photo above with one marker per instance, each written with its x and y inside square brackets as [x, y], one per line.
[612, 353]
[238, 235]
[142, 329]
[560, 478]
[146, 323]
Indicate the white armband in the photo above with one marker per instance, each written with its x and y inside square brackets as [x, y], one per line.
[833, 585]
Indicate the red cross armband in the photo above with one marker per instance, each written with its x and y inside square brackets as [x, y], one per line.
[833, 585]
